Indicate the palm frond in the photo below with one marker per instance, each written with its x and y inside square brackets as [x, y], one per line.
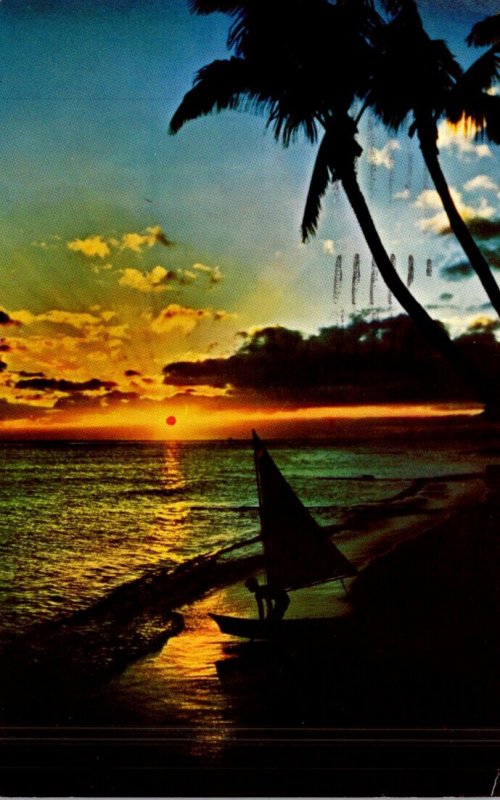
[323, 174]
[486, 32]
[219, 85]
[445, 64]
[242, 85]
[239, 10]
[363, 13]
[491, 127]
[412, 73]
[469, 97]
[482, 110]
[223, 6]
[396, 6]
[482, 73]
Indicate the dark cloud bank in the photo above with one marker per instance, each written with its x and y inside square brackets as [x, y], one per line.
[61, 385]
[482, 229]
[487, 234]
[6, 320]
[364, 362]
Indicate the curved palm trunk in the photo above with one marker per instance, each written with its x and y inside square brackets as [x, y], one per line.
[427, 135]
[435, 334]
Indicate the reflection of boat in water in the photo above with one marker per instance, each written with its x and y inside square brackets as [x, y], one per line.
[297, 554]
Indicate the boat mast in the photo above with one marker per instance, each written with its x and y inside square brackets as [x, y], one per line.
[297, 553]
[256, 444]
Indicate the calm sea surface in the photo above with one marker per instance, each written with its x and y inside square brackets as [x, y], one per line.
[79, 519]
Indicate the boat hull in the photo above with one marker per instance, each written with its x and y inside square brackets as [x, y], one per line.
[287, 629]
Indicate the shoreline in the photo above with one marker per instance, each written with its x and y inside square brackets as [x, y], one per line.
[413, 673]
[51, 654]
[199, 649]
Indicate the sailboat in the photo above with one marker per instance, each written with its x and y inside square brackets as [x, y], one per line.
[297, 552]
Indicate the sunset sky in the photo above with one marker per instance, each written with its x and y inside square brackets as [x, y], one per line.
[125, 249]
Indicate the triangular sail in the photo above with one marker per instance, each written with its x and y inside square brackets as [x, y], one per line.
[297, 552]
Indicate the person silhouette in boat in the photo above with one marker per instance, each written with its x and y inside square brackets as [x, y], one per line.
[275, 598]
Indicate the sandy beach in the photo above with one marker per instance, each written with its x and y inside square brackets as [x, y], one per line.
[401, 696]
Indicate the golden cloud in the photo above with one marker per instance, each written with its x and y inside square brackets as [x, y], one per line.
[98, 246]
[154, 281]
[78, 320]
[214, 273]
[107, 315]
[158, 279]
[136, 241]
[63, 354]
[93, 246]
[117, 332]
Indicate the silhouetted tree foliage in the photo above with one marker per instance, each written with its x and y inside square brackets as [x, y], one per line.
[303, 64]
[416, 78]
[486, 32]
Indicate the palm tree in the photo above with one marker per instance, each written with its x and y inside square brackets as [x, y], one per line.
[336, 161]
[285, 54]
[417, 76]
[486, 32]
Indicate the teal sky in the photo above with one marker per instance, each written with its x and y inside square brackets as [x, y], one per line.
[87, 91]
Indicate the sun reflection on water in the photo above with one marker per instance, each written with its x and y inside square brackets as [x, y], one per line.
[171, 531]
[172, 478]
[178, 688]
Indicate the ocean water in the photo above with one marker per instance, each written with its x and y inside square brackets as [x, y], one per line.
[78, 520]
